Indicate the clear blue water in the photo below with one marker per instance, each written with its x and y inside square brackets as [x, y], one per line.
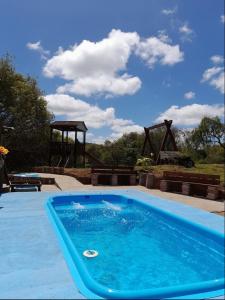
[138, 248]
[35, 175]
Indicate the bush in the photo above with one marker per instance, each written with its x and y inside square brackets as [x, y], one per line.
[144, 162]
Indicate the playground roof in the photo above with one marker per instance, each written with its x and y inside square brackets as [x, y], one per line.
[69, 126]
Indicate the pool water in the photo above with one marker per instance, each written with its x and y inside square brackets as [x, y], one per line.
[34, 175]
[138, 248]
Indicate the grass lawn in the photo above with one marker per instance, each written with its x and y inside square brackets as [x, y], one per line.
[212, 169]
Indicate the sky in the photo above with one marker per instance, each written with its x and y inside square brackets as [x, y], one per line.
[120, 65]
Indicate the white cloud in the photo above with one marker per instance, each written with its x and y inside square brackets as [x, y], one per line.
[38, 47]
[215, 77]
[211, 72]
[169, 11]
[76, 109]
[93, 68]
[94, 117]
[185, 29]
[100, 68]
[111, 86]
[189, 95]
[117, 133]
[222, 18]
[186, 32]
[163, 36]
[159, 50]
[217, 59]
[191, 115]
[218, 82]
[91, 138]
[121, 126]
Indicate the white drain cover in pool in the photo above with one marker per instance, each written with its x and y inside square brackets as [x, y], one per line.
[90, 253]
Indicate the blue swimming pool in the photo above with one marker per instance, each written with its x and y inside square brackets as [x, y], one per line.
[34, 175]
[143, 251]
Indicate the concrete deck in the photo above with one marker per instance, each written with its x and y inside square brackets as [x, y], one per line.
[64, 183]
[32, 265]
[67, 183]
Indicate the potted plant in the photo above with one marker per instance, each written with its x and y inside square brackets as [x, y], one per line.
[3, 153]
[145, 164]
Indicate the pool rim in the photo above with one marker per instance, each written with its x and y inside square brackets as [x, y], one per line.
[91, 288]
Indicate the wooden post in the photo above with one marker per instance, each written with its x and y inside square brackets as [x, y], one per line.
[50, 148]
[63, 149]
[84, 144]
[168, 133]
[75, 151]
[147, 141]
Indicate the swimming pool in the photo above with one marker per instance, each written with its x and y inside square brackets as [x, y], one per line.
[143, 251]
[34, 175]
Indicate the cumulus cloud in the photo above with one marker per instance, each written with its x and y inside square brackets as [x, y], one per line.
[159, 50]
[122, 126]
[100, 68]
[218, 82]
[91, 138]
[104, 84]
[94, 117]
[169, 11]
[210, 73]
[76, 109]
[222, 18]
[38, 47]
[186, 32]
[191, 115]
[95, 68]
[215, 75]
[217, 59]
[189, 95]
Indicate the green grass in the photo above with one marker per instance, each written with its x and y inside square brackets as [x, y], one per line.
[211, 169]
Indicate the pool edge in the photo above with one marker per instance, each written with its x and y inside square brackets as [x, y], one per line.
[71, 264]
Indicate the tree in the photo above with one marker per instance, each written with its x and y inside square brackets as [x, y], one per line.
[206, 142]
[210, 132]
[23, 107]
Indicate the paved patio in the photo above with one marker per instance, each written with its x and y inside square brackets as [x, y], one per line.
[67, 183]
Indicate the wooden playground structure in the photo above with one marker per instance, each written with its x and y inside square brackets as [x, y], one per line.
[168, 134]
[68, 151]
[164, 155]
[65, 150]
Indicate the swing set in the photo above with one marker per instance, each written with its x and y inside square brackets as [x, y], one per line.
[165, 155]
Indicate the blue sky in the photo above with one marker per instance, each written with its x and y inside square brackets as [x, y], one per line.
[120, 65]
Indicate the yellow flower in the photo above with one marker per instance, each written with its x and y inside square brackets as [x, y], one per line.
[3, 150]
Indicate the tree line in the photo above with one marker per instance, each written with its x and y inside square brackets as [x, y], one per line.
[204, 144]
[22, 106]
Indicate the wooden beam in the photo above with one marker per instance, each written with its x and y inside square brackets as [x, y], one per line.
[75, 151]
[167, 134]
[147, 141]
[84, 146]
[50, 148]
[160, 125]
